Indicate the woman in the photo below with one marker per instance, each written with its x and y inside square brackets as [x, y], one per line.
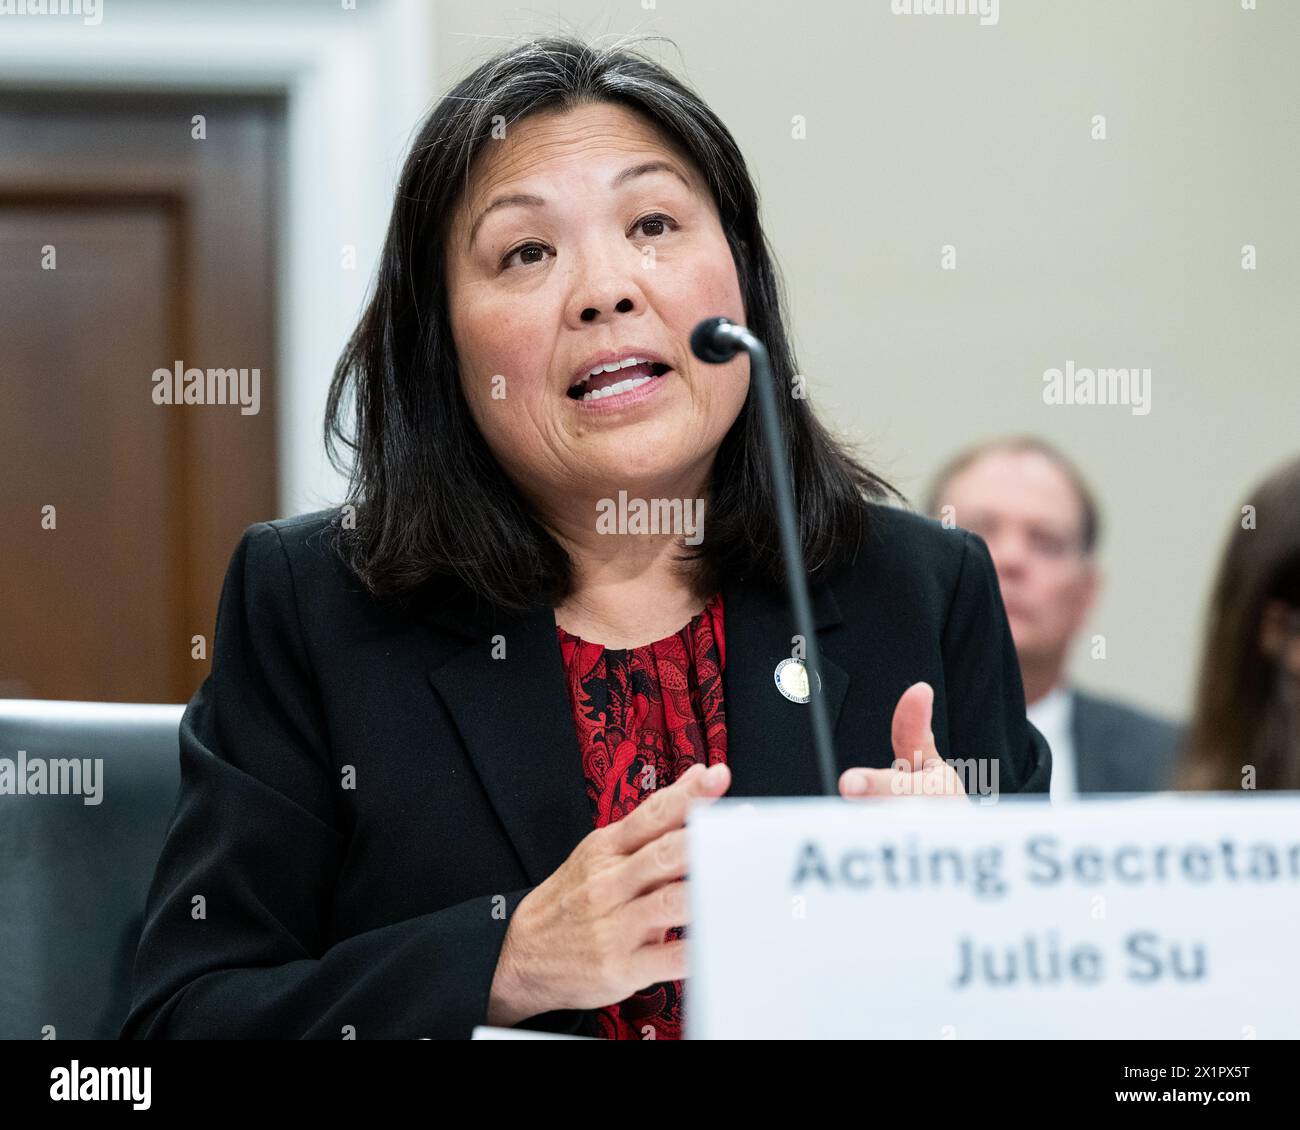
[414, 780]
[1246, 733]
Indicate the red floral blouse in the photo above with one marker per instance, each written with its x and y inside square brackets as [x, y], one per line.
[644, 716]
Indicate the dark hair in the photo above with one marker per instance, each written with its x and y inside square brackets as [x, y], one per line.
[1248, 706]
[430, 497]
[1090, 525]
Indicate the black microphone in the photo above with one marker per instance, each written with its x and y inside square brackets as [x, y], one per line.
[717, 340]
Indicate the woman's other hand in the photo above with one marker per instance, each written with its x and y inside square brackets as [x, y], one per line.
[592, 934]
[918, 770]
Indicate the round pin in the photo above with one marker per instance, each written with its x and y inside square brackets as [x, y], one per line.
[792, 680]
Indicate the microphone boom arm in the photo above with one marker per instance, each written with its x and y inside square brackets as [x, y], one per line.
[715, 341]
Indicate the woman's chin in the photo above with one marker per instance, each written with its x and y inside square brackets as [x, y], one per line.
[641, 479]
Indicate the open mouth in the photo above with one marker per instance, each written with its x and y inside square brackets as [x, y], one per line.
[620, 381]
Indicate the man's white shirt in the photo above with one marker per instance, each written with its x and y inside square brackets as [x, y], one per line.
[1053, 715]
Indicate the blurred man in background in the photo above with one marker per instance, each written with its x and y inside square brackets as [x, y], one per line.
[1032, 507]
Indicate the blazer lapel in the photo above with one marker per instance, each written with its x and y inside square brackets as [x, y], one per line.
[514, 716]
[769, 738]
[1089, 767]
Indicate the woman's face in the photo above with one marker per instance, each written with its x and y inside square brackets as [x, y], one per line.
[1279, 636]
[584, 237]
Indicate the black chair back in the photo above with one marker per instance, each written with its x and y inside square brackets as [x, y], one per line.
[75, 867]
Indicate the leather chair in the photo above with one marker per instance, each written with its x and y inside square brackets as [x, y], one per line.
[74, 876]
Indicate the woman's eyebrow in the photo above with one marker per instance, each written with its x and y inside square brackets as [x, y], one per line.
[514, 200]
[528, 200]
[648, 167]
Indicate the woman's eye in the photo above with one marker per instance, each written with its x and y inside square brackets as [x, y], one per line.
[532, 253]
[658, 220]
[523, 251]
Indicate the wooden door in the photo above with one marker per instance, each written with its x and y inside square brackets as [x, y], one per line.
[131, 239]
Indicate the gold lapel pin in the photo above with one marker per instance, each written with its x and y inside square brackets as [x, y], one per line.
[792, 680]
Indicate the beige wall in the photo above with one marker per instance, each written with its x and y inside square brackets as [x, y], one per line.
[925, 131]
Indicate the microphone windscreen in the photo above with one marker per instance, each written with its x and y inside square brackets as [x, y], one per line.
[709, 345]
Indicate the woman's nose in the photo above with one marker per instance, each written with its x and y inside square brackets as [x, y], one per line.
[604, 281]
[592, 313]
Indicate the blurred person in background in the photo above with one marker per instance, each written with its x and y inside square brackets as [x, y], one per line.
[1246, 730]
[1041, 522]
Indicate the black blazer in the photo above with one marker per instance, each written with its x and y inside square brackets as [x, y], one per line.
[367, 793]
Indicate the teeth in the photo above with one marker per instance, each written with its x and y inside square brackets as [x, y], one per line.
[615, 389]
[614, 366]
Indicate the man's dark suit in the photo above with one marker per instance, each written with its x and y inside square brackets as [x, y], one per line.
[367, 793]
[1118, 749]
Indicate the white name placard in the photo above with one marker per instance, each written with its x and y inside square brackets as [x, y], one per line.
[1174, 917]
